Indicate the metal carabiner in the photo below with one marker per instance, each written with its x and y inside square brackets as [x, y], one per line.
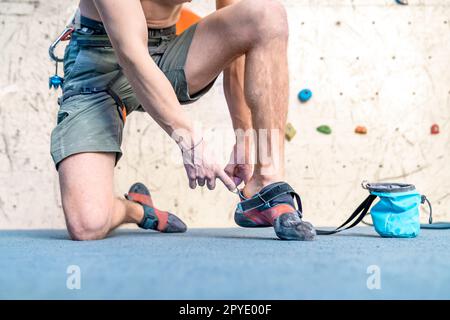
[65, 35]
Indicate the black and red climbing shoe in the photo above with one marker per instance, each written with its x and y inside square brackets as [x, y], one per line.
[274, 206]
[154, 219]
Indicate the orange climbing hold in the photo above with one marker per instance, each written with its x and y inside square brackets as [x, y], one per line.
[361, 130]
[187, 19]
[435, 129]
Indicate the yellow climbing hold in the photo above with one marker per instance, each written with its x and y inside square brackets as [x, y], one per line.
[290, 131]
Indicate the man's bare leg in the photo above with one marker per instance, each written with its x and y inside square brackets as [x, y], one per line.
[90, 208]
[259, 30]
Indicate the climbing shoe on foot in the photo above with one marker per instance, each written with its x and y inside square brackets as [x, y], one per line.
[154, 219]
[274, 206]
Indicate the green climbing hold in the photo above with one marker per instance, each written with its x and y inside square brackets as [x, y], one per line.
[324, 129]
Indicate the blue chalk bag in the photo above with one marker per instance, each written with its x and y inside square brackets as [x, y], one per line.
[395, 215]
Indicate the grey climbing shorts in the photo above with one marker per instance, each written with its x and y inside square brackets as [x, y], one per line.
[94, 121]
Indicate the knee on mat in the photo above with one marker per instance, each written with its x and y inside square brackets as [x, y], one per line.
[268, 18]
[92, 227]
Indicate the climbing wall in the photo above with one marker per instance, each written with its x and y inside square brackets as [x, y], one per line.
[371, 63]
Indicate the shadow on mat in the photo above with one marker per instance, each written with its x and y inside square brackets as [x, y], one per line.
[188, 234]
[36, 234]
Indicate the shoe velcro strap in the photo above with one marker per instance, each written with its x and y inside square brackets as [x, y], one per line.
[261, 199]
[139, 197]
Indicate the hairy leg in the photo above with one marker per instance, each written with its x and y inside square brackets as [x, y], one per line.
[257, 29]
[89, 205]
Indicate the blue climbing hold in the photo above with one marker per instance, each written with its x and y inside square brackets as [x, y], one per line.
[55, 82]
[304, 95]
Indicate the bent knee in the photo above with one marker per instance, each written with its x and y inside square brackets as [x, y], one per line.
[268, 18]
[85, 224]
[87, 231]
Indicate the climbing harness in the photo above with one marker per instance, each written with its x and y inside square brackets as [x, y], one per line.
[97, 89]
[56, 81]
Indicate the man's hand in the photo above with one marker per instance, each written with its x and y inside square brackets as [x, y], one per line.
[201, 166]
[239, 167]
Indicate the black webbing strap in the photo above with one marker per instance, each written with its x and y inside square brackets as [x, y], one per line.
[264, 198]
[101, 41]
[83, 90]
[359, 214]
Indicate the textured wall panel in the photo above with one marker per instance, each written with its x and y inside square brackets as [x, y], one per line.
[368, 62]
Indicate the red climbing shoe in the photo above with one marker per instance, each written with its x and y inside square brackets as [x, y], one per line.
[154, 219]
[274, 206]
